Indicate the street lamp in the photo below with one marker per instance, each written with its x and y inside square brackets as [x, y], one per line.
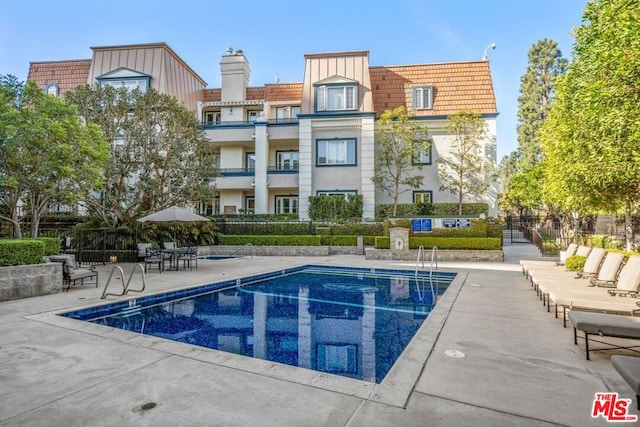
[491, 46]
[576, 225]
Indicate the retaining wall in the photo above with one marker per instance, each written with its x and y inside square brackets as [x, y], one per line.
[23, 281]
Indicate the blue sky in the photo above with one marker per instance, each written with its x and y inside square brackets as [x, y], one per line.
[275, 35]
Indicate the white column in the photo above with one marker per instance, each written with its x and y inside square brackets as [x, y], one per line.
[262, 162]
[367, 153]
[305, 171]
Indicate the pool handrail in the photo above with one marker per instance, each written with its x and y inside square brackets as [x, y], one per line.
[125, 286]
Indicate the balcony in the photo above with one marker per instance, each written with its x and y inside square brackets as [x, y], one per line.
[246, 123]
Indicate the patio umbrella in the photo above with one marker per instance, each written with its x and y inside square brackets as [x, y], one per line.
[173, 214]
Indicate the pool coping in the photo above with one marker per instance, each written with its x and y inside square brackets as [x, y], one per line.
[394, 390]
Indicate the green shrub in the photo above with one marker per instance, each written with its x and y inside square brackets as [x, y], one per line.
[51, 245]
[443, 209]
[382, 242]
[270, 240]
[350, 229]
[254, 228]
[575, 263]
[335, 207]
[481, 243]
[478, 243]
[21, 252]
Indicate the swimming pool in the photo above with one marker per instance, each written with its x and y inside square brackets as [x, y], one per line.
[352, 322]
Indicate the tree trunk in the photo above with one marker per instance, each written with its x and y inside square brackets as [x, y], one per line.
[628, 226]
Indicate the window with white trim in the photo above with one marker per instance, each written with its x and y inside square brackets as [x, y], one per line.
[286, 204]
[287, 159]
[336, 97]
[334, 152]
[52, 90]
[423, 98]
[212, 117]
[130, 84]
[423, 156]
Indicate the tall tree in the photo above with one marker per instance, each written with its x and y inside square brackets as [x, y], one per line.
[48, 153]
[465, 171]
[536, 96]
[400, 141]
[11, 190]
[592, 138]
[158, 155]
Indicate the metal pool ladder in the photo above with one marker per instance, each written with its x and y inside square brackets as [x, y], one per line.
[125, 287]
[421, 256]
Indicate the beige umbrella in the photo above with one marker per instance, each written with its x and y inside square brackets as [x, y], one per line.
[173, 214]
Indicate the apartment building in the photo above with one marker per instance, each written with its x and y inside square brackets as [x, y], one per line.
[280, 143]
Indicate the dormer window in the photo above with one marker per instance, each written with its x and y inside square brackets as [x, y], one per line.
[336, 94]
[423, 98]
[124, 77]
[52, 90]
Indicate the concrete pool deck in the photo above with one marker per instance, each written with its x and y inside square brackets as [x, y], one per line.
[520, 368]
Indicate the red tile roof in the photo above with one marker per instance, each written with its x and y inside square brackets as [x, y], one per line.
[458, 86]
[283, 92]
[66, 74]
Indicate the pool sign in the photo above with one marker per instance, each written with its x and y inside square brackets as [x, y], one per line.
[421, 225]
[456, 223]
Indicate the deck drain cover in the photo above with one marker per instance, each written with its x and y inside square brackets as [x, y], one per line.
[147, 406]
[454, 353]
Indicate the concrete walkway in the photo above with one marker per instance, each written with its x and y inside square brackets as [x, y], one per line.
[520, 368]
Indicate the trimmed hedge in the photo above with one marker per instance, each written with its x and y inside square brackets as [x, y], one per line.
[235, 240]
[470, 243]
[21, 252]
[350, 229]
[51, 245]
[384, 211]
[345, 240]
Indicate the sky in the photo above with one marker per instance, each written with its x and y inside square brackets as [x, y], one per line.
[275, 36]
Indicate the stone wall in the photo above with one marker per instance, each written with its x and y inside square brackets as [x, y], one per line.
[443, 255]
[23, 281]
[277, 250]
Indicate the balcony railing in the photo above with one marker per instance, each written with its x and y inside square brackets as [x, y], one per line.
[246, 123]
[237, 171]
[276, 169]
[251, 171]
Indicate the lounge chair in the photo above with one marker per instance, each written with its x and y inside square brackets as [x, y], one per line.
[72, 275]
[629, 368]
[599, 299]
[606, 276]
[529, 264]
[542, 267]
[590, 269]
[604, 325]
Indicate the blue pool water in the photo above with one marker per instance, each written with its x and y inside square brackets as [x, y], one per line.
[346, 321]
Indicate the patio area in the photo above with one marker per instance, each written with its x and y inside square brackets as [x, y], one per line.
[520, 368]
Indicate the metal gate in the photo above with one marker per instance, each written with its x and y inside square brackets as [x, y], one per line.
[515, 232]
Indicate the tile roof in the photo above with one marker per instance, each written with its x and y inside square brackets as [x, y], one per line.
[66, 74]
[211, 95]
[458, 86]
[283, 92]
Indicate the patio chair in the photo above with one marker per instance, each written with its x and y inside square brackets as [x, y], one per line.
[189, 255]
[529, 264]
[142, 249]
[629, 368]
[71, 275]
[590, 269]
[604, 325]
[153, 257]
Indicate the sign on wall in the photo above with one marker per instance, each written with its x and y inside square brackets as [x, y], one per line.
[421, 225]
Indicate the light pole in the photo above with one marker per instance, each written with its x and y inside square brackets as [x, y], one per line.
[491, 46]
[576, 225]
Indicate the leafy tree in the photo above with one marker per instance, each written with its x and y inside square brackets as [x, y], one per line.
[158, 152]
[592, 137]
[400, 140]
[465, 170]
[11, 190]
[49, 155]
[536, 96]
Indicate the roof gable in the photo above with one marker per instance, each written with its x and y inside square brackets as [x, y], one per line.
[336, 79]
[122, 73]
